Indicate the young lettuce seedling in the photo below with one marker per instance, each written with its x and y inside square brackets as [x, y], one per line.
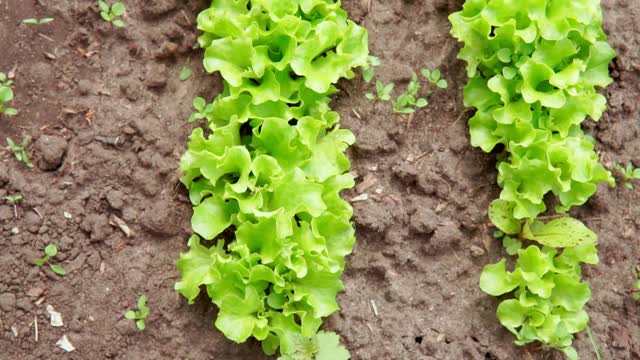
[50, 251]
[34, 21]
[628, 173]
[409, 101]
[112, 13]
[140, 315]
[20, 151]
[6, 95]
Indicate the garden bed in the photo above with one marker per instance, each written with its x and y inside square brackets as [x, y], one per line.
[107, 113]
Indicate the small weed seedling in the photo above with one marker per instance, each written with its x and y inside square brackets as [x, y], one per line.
[628, 173]
[185, 73]
[6, 95]
[50, 251]
[635, 290]
[34, 21]
[383, 91]
[369, 72]
[20, 151]
[112, 13]
[434, 77]
[200, 104]
[140, 315]
[13, 200]
[409, 100]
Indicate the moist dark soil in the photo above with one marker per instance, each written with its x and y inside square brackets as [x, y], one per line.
[107, 114]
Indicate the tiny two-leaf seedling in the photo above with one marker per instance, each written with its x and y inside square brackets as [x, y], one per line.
[140, 315]
[435, 78]
[50, 251]
[34, 21]
[13, 200]
[20, 151]
[6, 95]
[112, 13]
[202, 108]
[628, 173]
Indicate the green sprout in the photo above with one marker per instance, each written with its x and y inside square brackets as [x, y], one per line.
[369, 71]
[50, 251]
[185, 73]
[112, 13]
[141, 314]
[323, 345]
[635, 291]
[20, 151]
[13, 200]
[6, 95]
[410, 100]
[434, 77]
[628, 173]
[202, 109]
[383, 91]
[407, 102]
[34, 21]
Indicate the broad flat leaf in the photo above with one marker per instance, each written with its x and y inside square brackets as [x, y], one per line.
[511, 314]
[501, 215]
[57, 269]
[329, 347]
[564, 232]
[185, 73]
[51, 250]
[211, 217]
[496, 281]
[130, 315]
[118, 23]
[118, 9]
[140, 324]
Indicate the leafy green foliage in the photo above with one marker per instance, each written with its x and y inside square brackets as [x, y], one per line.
[50, 251]
[534, 66]
[563, 232]
[409, 101]
[139, 315]
[548, 297]
[112, 13]
[185, 73]
[34, 21]
[20, 151]
[628, 173]
[322, 346]
[6, 95]
[265, 183]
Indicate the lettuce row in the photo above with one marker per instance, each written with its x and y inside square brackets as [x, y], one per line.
[533, 68]
[265, 182]
[549, 296]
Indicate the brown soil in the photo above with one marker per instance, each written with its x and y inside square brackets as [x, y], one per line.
[422, 234]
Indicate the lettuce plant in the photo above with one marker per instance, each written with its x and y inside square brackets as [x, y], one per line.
[271, 230]
[533, 69]
[6, 95]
